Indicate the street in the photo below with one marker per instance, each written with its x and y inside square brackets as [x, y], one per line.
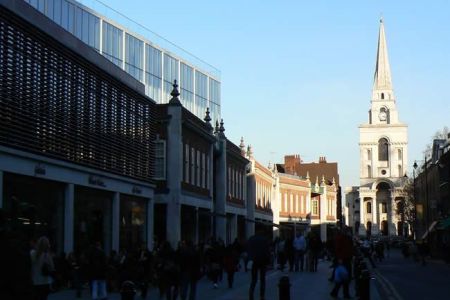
[400, 278]
[304, 285]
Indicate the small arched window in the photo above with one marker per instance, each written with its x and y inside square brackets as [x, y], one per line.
[383, 150]
[382, 96]
[369, 207]
[400, 171]
[369, 171]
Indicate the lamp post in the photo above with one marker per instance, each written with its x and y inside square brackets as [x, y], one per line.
[415, 202]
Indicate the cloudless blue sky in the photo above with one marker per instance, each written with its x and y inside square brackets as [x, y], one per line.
[297, 75]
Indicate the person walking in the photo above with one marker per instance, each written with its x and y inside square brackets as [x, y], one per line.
[341, 276]
[190, 266]
[299, 248]
[344, 255]
[259, 252]
[42, 267]
[97, 272]
[230, 264]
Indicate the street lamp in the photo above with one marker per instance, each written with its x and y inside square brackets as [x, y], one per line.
[415, 202]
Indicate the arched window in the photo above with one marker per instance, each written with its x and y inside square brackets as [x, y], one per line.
[369, 207]
[369, 172]
[382, 96]
[400, 171]
[383, 149]
[400, 154]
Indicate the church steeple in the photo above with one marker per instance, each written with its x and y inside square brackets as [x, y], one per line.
[382, 81]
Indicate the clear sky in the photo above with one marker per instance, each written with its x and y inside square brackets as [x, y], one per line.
[297, 75]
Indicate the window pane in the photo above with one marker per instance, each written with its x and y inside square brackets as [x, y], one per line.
[153, 73]
[187, 87]
[170, 74]
[134, 56]
[112, 43]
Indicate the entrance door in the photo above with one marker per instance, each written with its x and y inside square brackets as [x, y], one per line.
[369, 229]
[384, 228]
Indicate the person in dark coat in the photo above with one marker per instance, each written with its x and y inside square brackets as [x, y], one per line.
[230, 263]
[344, 253]
[97, 272]
[259, 253]
[190, 268]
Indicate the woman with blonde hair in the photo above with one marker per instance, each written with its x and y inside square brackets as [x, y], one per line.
[42, 267]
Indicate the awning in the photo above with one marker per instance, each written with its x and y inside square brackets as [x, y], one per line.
[429, 229]
[443, 224]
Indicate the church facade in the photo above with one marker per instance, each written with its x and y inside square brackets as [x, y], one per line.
[383, 145]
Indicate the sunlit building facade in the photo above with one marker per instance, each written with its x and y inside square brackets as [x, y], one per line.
[148, 57]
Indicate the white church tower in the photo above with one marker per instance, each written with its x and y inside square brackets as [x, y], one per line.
[383, 145]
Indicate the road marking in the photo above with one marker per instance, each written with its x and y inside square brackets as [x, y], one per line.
[387, 286]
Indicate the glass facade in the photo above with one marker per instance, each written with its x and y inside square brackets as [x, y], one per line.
[141, 58]
[112, 44]
[170, 74]
[201, 93]
[187, 86]
[134, 57]
[153, 73]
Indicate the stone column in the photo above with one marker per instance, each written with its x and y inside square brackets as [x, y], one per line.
[221, 188]
[115, 230]
[1, 189]
[196, 227]
[362, 216]
[375, 221]
[69, 192]
[233, 228]
[150, 223]
[251, 198]
[174, 173]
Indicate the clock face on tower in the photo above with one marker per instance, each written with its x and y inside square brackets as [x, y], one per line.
[382, 116]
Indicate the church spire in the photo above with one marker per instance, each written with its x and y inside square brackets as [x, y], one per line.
[382, 77]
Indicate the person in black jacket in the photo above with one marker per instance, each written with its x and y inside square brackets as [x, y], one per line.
[259, 253]
[190, 265]
[97, 272]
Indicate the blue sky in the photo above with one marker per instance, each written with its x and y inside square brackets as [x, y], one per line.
[297, 75]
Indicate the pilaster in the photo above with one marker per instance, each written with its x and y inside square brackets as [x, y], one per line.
[69, 193]
[115, 230]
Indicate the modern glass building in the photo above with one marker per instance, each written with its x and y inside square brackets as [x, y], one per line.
[148, 57]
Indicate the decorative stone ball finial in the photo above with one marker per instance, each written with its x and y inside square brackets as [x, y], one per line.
[175, 93]
[242, 146]
[216, 129]
[221, 129]
[207, 118]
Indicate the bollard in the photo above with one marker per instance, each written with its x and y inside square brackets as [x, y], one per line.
[128, 290]
[284, 288]
[364, 293]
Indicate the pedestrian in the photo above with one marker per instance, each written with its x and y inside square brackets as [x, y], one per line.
[144, 268]
[289, 252]
[42, 268]
[168, 271]
[190, 268]
[344, 255]
[341, 278]
[280, 246]
[97, 272]
[230, 263]
[299, 248]
[259, 252]
[315, 246]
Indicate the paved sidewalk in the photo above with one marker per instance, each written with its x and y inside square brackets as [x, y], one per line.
[304, 285]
